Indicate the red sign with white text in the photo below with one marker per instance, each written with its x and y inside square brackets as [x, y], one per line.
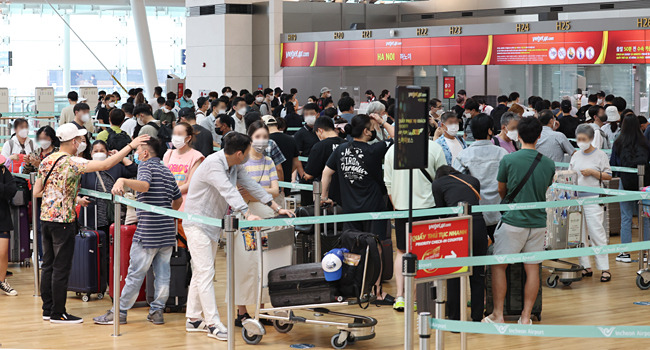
[449, 87]
[441, 239]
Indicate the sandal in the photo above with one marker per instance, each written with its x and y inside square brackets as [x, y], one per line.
[605, 276]
[386, 300]
[587, 273]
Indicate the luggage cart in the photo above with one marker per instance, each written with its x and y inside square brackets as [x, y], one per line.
[563, 231]
[284, 318]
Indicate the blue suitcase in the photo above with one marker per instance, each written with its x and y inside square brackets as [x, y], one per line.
[87, 275]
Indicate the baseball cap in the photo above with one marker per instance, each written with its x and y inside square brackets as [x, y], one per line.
[588, 117]
[269, 120]
[69, 131]
[324, 90]
[332, 264]
[612, 114]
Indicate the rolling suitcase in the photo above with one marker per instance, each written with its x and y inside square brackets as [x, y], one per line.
[86, 275]
[613, 210]
[126, 234]
[19, 242]
[304, 243]
[301, 285]
[514, 301]
[179, 279]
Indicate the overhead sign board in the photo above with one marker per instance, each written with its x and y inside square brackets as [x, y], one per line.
[412, 140]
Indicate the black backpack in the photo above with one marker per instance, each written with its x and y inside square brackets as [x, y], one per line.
[637, 156]
[164, 135]
[116, 140]
[351, 281]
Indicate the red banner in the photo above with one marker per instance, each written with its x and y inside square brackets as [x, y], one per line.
[449, 88]
[441, 239]
[607, 47]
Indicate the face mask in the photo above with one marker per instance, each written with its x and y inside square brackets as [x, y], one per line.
[228, 94]
[221, 111]
[45, 144]
[140, 122]
[112, 104]
[584, 145]
[260, 145]
[373, 135]
[99, 156]
[81, 148]
[600, 101]
[242, 111]
[178, 141]
[218, 131]
[245, 160]
[452, 129]
[23, 133]
[467, 115]
[310, 120]
[440, 112]
[85, 117]
[259, 99]
[165, 110]
[513, 135]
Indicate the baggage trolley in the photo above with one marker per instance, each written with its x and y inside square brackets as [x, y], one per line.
[563, 231]
[284, 318]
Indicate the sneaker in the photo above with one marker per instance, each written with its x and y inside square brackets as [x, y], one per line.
[624, 257]
[46, 315]
[240, 319]
[399, 304]
[218, 331]
[6, 288]
[107, 318]
[65, 318]
[196, 326]
[156, 317]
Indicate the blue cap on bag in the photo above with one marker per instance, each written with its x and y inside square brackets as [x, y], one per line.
[332, 264]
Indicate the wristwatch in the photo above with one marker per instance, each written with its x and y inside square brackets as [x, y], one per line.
[270, 205]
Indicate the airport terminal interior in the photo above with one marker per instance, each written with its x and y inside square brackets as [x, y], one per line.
[293, 174]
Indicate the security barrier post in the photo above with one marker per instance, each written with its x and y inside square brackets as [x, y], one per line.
[641, 221]
[424, 327]
[317, 209]
[463, 289]
[229, 226]
[409, 269]
[37, 277]
[117, 273]
[441, 294]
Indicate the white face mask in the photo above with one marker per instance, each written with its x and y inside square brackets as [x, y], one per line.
[112, 104]
[242, 111]
[81, 148]
[221, 111]
[178, 141]
[260, 145]
[259, 99]
[467, 115]
[228, 94]
[310, 120]
[600, 101]
[100, 156]
[440, 112]
[140, 122]
[85, 117]
[165, 110]
[44, 144]
[23, 133]
[584, 146]
[452, 129]
[513, 135]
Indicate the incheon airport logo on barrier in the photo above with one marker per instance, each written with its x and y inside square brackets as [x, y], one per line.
[297, 54]
[607, 331]
[543, 38]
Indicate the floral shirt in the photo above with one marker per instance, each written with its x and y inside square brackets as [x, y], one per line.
[28, 168]
[61, 189]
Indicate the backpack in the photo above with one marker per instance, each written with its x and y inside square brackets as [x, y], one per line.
[164, 135]
[630, 181]
[352, 282]
[116, 140]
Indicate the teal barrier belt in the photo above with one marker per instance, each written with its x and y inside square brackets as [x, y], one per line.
[563, 331]
[597, 190]
[169, 212]
[303, 159]
[96, 194]
[532, 256]
[619, 169]
[305, 187]
[23, 176]
[293, 129]
[103, 125]
[560, 204]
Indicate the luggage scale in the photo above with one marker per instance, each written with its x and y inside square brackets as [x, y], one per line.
[283, 318]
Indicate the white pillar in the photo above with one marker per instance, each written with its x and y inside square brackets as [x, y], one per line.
[144, 46]
[275, 29]
[66, 56]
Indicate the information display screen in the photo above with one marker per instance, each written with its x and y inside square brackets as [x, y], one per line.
[411, 138]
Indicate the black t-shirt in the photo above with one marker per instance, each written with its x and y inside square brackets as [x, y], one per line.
[305, 139]
[294, 120]
[448, 192]
[318, 157]
[202, 140]
[358, 167]
[568, 125]
[289, 149]
[581, 112]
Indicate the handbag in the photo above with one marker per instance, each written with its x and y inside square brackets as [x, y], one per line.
[512, 195]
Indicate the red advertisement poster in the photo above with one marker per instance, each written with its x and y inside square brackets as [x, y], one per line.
[362, 52]
[445, 51]
[475, 50]
[449, 88]
[416, 52]
[546, 48]
[583, 47]
[627, 46]
[441, 239]
[388, 52]
[298, 54]
[510, 49]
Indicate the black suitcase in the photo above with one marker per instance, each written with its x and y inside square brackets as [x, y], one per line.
[300, 285]
[179, 281]
[330, 235]
[514, 302]
[362, 243]
[88, 275]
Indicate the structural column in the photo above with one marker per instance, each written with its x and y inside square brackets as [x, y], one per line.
[144, 46]
[66, 55]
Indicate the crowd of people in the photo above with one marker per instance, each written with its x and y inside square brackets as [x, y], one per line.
[228, 152]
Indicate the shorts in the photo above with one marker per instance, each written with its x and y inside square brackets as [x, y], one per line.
[510, 239]
[5, 235]
[400, 230]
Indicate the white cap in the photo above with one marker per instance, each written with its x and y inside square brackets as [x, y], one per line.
[612, 114]
[69, 131]
[588, 117]
[331, 265]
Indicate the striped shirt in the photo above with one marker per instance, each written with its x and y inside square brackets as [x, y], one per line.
[262, 171]
[156, 230]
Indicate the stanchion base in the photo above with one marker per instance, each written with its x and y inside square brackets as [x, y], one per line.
[113, 335]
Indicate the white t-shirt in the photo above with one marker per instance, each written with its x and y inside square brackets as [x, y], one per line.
[598, 138]
[597, 160]
[129, 126]
[454, 147]
[200, 116]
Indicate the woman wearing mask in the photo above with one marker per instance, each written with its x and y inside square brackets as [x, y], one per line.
[592, 166]
[293, 119]
[261, 169]
[182, 161]
[103, 181]
[48, 143]
[450, 188]
[376, 107]
[7, 191]
[18, 147]
[508, 137]
[629, 150]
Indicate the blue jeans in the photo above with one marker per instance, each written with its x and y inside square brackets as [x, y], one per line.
[141, 259]
[627, 212]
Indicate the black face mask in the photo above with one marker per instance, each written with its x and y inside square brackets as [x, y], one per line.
[373, 135]
[218, 131]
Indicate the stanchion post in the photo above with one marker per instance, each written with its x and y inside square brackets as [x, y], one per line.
[424, 330]
[641, 173]
[37, 277]
[116, 268]
[229, 226]
[463, 289]
[441, 296]
[409, 269]
[317, 198]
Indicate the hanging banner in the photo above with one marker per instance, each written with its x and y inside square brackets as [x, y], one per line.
[449, 88]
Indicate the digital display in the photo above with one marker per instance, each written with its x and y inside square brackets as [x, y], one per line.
[411, 138]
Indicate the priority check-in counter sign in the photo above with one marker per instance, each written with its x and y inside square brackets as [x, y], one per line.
[447, 238]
